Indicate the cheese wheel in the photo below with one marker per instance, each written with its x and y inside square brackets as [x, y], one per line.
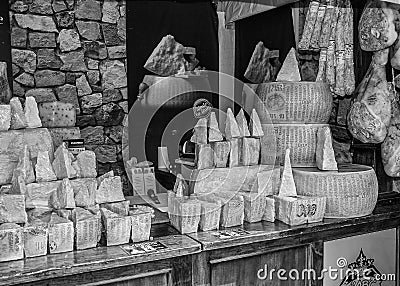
[351, 192]
[301, 139]
[294, 102]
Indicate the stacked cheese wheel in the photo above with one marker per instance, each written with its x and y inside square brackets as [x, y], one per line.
[296, 110]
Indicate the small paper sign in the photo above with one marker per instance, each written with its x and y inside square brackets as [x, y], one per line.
[75, 146]
[144, 247]
[231, 233]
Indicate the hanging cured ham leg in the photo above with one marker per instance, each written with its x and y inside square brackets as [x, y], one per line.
[370, 113]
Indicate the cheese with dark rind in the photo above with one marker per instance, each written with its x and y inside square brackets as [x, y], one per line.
[258, 70]
[35, 237]
[294, 102]
[351, 192]
[221, 153]
[12, 209]
[32, 113]
[61, 234]
[18, 120]
[57, 114]
[117, 228]
[11, 242]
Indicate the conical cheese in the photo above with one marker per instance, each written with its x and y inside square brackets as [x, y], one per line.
[258, 70]
[180, 187]
[214, 133]
[242, 124]
[290, 68]
[255, 125]
[200, 132]
[288, 187]
[231, 126]
[325, 156]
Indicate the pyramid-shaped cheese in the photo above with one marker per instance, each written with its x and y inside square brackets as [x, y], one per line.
[18, 120]
[180, 187]
[287, 187]
[43, 168]
[242, 124]
[258, 70]
[167, 58]
[62, 163]
[231, 126]
[214, 133]
[200, 132]
[32, 113]
[290, 68]
[255, 125]
[325, 156]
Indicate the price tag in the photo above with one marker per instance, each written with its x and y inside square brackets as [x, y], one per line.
[144, 247]
[230, 233]
[75, 146]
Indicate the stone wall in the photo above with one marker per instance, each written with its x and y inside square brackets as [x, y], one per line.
[75, 51]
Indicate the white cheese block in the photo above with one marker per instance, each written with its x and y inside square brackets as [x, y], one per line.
[141, 225]
[254, 206]
[269, 213]
[84, 191]
[325, 156]
[43, 168]
[221, 153]
[12, 209]
[267, 182]
[294, 102]
[226, 179]
[256, 129]
[231, 126]
[35, 239]
[18, 120]
[185, 216]
[200, 132]
[232, 213]
[87, 164]
[121, 208]
[214, 133]
[210, 215]
[11, 242]
[57, 114]
[242, 124]
[62, 163]
[61, 234]
[287, 187]
[110, 190]
[301, 139]
[5, 117]
[250, 151]
[86, 228]
[351, 192]
[234, 153]
[32, 113]
[300, 210]
[204, 156]
[117, 228]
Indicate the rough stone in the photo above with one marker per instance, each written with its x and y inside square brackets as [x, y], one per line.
[73, 61]
[15, 69]
[42, 40]
[67, 93]
[117, 52]
[95, 50]
[57, 114]
[113, 74]
[111, 95]
[97, 89]
[92, 64]
[70, 78]
[41, 7]
[93, 77]
[121, 28]
[32, 113]
[65, 19]
[62, 163]
[124, 92]
[88, 9]
[90, 102]
[45, 78]
[24, 59]
[18, 37]
[110, 12]
[89, 30]
[93, 135]
[342, 152]
[36, 22]
[41, 94]
[115, 133]
[83, 86]
[87, 164]
[122, 9]
[85, 120]
[18, 120]
[44, 170]
[47, 58]
[19, 6]
[70, 3]
[340, 133]
[18, 90]
[124, 106]
[68, 40]
[25, 79]
[59, 5]
[309, 70]
[109, 115]
[106, 153]
[58, 135]
[110, 34]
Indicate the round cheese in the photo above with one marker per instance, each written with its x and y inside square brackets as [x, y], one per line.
[301, 139]
[294, 102]
[351, 192]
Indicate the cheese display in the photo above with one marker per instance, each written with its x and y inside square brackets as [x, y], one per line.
[287, 186]
[11, 242]
[294, 102]
[290, 68]
[242, 124]
[62, 163]
[12, 209]
[214, 133]
[32, 113]
[5, 117]
[117, 228]
[167, 58]
[86, 228]
[141, 225]
[325, 156]
[259, 68]
[18, 120]
[57, 114]
[185, 214]
[351, 192]
[35, 239]
[61, 234]
[43, 168]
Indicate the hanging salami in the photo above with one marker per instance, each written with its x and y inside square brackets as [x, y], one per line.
[311, 19]
[314, 43]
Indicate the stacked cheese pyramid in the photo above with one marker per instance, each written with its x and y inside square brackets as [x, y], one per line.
[52, 202]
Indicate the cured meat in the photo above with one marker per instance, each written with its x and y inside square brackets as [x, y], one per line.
[167, 58]
[330, 58]
[369, 116]
[390, 149]
[314, 44]
[326, 25]
[311, 19]
[395, 61]
[321, 76]
[259, 68]
[376, 27]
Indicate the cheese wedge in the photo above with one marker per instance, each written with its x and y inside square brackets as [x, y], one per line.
[290, 68]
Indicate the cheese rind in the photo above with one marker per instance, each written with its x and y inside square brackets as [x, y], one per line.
[57, 114]
[11, 242]
[35, 237]
[117, 228]
[86, 229]
[185, 216]
[221, 153]
[210, 216]
[141, 225]
[254, 206]
[269, 213]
